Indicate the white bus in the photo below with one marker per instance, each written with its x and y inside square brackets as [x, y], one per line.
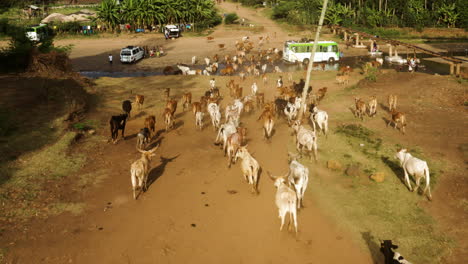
[300, 51]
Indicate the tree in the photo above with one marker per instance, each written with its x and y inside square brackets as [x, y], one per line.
[448, 15]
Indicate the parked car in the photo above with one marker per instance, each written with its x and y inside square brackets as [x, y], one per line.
[131, 54]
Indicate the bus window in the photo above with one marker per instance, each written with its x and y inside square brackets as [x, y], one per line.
[334, 48]
[302, 49]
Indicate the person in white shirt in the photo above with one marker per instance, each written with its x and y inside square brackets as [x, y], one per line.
[110, 59]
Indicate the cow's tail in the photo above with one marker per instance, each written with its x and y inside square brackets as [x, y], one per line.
[428, 186]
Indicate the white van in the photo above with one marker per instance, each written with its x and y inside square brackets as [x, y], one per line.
[171, 31]
[131, 54]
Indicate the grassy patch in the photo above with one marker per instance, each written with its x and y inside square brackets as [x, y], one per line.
[374, 211]
[29, 174]
[73, 208]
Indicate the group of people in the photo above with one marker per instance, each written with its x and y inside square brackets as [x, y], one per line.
[157, 51]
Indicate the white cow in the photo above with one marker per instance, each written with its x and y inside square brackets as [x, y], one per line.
[254, 88]
[290, 111]
[298, 176]
[320, 117]
[199, 120]
[184, 69]
[415, 167]
[249, 167]
[215, 114]
[225, 130]
[305, 138]
[286, 201]
[232, 113]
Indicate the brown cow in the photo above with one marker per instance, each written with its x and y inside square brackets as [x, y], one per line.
[229, 70]
[398, 118]
[392, 102]
[260, 97]
[139, 100]
[360, 108]
[196, 107]
[187, 100]
[150, 123]
[172, 105]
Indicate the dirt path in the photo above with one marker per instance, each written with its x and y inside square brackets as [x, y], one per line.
[190, 185]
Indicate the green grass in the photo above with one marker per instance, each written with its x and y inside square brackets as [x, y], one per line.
[70, 10]
[32, 171]
[387, 210]
[73, 208]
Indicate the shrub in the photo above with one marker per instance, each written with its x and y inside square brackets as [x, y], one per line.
[230, 18]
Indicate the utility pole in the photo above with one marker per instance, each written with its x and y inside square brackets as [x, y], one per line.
[311, 60]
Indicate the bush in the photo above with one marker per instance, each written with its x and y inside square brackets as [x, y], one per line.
[282, 10]
[371, 73]
[230, 18]
[213, 21]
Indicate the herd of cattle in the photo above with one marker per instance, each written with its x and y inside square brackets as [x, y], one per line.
[287, 105]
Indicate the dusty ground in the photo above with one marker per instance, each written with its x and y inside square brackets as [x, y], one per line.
[196, 209]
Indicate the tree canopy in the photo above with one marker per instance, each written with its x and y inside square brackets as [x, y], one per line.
[375, 13]
[144, 13]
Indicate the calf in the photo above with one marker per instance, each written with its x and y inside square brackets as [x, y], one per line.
[168, 118]
[186, 100]
[342, 79]
[249, 167]
[199, 120]
[360, 108]
[268, 123]
[139, 100]
[127, 107]
[150, 124]
[143, 138]
[116, 123]
[392, 102]
[305, 138]
[140, 169]
[372, 106]
[320, 118]
[286, 201]
[298, 176]
[398, 119]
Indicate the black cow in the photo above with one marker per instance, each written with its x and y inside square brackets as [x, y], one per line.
[116, 123]
[127, 107]
[280, 105]
[391, 257]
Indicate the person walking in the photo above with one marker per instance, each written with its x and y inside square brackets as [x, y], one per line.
[110, 59]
